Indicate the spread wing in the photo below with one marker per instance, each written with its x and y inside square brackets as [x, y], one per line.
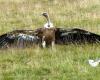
[18, 38]
[65, 36]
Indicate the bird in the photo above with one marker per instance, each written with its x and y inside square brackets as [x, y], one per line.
[48, 35]
[49, 24]
[94, 63]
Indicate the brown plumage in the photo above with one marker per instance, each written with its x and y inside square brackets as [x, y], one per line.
[46, 35]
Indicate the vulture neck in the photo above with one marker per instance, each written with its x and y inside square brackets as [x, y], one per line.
[48, 21]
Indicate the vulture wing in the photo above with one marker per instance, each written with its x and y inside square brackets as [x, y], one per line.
[18, 38]
[65, 36]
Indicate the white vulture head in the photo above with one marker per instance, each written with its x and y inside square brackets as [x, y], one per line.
[48, 24]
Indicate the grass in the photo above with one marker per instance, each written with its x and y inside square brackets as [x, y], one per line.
[68, 62]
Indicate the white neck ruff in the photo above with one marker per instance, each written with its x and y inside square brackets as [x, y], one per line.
[46, 25]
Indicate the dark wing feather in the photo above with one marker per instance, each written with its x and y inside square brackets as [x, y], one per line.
[65, 36]
[18, 38]
[5, 40]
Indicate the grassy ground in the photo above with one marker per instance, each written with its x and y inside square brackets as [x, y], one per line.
[65, 62]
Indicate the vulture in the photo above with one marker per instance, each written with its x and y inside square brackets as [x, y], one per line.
[26, 38]
[46, 36]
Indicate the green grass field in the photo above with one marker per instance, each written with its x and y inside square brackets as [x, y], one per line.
[68, 62]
